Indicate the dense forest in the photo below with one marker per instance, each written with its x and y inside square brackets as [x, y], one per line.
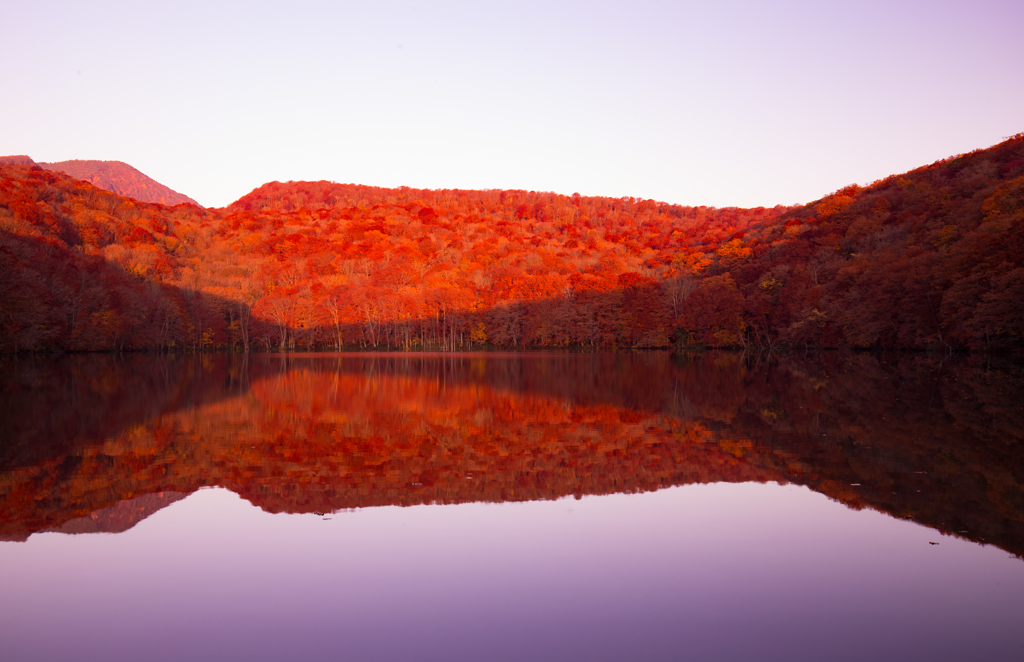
[930, 259]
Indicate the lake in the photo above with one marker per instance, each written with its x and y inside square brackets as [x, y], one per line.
[555, 506]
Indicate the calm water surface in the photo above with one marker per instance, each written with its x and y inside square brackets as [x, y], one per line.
[511, 507]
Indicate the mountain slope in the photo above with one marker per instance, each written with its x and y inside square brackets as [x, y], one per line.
[19, 159]
[931, 259]
[122, 179]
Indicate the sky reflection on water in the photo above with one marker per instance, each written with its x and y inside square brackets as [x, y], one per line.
[721, 571]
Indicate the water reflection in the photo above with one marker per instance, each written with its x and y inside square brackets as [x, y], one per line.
[99, 443]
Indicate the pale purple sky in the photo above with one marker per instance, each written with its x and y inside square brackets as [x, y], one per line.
[724, 103]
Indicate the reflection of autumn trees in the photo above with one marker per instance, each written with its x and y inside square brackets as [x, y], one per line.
[53, 408]
[303, 433]
[324, 437]
[928, 259]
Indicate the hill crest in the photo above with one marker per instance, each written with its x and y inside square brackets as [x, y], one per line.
[929, 259]
[121, 178]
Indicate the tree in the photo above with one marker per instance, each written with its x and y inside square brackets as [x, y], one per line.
[713, 313]
[677, 290]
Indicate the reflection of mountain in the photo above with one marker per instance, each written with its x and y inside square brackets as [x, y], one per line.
[938, 443]
[122, 516]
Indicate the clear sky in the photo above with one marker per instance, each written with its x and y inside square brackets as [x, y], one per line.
[718, 103]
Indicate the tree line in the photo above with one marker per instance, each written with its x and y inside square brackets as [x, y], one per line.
[930, 259]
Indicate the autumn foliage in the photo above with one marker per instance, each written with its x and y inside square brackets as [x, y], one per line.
[929, 259]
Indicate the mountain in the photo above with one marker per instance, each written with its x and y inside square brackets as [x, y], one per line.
[122, 179]
[113, 176]
[20, 159]
[929, 259]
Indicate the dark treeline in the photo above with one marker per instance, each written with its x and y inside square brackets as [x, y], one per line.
[931, 259]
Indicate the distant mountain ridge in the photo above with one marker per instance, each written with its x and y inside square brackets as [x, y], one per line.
[19, 159]
[114, 176]
[121, 178]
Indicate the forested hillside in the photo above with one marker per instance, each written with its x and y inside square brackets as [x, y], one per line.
[933, 258]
